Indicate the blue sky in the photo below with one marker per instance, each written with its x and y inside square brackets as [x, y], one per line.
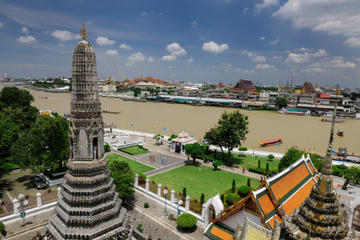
[267, 41]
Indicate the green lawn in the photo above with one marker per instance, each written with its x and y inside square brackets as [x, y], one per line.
[247, 161]
[200, 179]
[135, 150]
[136, 167]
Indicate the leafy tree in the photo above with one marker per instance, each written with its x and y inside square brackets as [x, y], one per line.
[15, 97]
[217, 163]
[291, 156]
[202, 199]
[44, 146]
[231, 198]
[233, 186]
[2, 228]
[317, 161]
[242, 149]
[194, 150]
[230, 131]
[243, 191]
[186, 221]
[173, 136]
[123, 178]
[136, 90]
[281, 102]
[271, 157]
[158, 137]
[8, 135]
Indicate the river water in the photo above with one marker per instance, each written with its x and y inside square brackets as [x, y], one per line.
[305, 132]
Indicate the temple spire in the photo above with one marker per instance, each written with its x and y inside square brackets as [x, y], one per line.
[83, 33]
[327, 168]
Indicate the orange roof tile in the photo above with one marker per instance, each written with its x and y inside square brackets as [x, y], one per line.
[296, 200]
[288, 182]
[310, 167]
[266, 204]
[271, 222]
[221, 234]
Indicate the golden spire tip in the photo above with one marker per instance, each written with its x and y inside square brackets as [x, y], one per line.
[83, 33]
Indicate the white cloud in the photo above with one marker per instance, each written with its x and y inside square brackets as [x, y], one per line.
[338, 62]
[265, 66]
[274, 42]
[1, 24]
[190, 60]
[134, 58]
[175, 49]
[254, 56]
[150, 60]
[144, 13]
[330, 63]
[26, 39]
[64, 35]
[266, 3]
[244, 11]
[277, 57]
[305, 57]
[25, 30]
[248, 71]
[262, 38]
[112, 52]
[334, 17]
[353, 42]
[102, 41]
[214, 47]
[169, 58]
[314, 69]
[125, 46]
[194, 23]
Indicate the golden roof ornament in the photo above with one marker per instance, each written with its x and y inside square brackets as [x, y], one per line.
[83, 33]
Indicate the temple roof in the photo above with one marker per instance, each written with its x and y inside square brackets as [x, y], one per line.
[279, 195]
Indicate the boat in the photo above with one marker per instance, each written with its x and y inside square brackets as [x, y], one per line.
[275, 141]
[295, 111]
[111, 112]
[340, 133]
[330, 120]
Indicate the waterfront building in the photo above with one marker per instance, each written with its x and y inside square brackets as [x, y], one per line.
[275, 198]
[320, 216]
[244, 86]
[178, 144]
[88, 206]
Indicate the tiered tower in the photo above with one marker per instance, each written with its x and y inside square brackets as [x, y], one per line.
[320, 215]
[88, 207]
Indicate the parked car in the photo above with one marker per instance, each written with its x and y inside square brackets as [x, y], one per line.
[39, 183]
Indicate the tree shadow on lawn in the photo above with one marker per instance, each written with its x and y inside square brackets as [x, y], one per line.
[5, 185]
[24, 178]
[190, 162]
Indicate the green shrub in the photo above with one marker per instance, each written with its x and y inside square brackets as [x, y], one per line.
[146, 205]
[142, 178]
[231, 198]
[339, 170]
[217, 163]
[186, 220]
[2, 227]
[271, 157]
[243, 191]
[139, 228]
[184, 192]
[249, 182]
[107, 147]
[261, 171]
[202, 199]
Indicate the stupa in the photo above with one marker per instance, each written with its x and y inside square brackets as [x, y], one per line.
[320, 216]
[88, 207]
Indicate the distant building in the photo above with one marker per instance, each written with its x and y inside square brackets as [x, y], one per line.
[308, 88]
[244, 86]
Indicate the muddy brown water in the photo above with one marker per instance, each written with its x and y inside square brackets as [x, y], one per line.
[305, 132]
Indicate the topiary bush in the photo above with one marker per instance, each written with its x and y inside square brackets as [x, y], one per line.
[146, 205]
[243, 191]
[107, 147]
[217, 164]
[186, 221]
[231, 198]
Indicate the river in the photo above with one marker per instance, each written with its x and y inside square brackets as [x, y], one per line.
[305, 132]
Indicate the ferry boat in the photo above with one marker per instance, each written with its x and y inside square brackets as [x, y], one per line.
[295, 111]
[271, 142]
[330, 120]
[340, 133]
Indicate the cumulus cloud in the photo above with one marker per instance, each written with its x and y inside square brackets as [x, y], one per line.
[214, 47]
[333, 17]
[26, 39]
[305, 56]
[175, 51]
[353, 42]
[1, 24]
[194, 23]
[274, 42]
[150, 60]
[314, 69]
[254, 56]
[267, 3]
[64, 35]
[104, 41]
[112, 52]
[262, 38]
[265, 66]
[169, 58]
[134, 58]
[125, 46]
[190, 60]
[25, 30]
[327, 64]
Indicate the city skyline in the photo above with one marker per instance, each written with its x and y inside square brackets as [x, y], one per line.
[266, 41]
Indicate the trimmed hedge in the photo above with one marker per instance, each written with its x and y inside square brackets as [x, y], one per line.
[243, 191]
[186, 220]
[231, 198]
[261, 171]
